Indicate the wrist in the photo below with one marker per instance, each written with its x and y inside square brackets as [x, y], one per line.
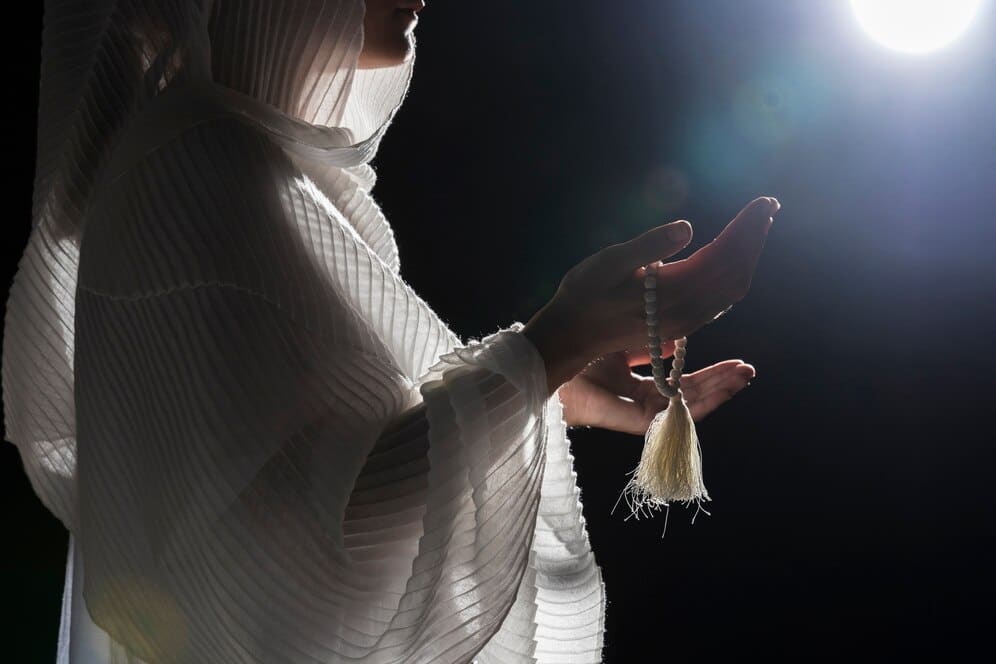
[561, 360]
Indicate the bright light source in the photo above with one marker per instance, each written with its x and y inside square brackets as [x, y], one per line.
[915, 26]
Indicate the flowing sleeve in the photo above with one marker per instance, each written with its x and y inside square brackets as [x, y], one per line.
[266, 472]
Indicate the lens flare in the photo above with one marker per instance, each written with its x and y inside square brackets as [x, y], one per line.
[915, 26]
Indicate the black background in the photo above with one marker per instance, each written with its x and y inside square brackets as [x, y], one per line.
[852, 482]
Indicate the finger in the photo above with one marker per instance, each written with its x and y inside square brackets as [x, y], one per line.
[718, 275]
[744, 236]
[721, 387]
[735, 378]
[754, 217]
[699, 383]
[703, 407]
[656, 244]
[637, 358]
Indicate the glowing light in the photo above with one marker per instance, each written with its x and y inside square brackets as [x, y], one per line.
[915, 26]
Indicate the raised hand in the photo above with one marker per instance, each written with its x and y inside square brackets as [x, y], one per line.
[598, 308]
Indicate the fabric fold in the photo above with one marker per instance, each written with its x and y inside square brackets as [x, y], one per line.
[268, 469]
[266, 446]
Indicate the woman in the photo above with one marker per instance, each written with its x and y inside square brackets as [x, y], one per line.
[266, 446]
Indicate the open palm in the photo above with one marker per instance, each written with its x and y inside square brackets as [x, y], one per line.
[608, 395]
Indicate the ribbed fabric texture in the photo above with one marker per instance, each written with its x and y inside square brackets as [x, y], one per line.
[266, 446]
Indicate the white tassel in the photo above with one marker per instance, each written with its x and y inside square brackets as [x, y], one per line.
[670, 468]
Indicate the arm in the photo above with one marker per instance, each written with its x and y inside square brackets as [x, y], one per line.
[255, 471]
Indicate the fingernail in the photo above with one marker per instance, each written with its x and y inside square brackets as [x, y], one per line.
[775, 205]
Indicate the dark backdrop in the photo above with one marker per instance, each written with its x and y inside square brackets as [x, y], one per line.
[852, 482]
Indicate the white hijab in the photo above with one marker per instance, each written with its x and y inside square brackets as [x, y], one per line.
[300, 58]
[121, 78]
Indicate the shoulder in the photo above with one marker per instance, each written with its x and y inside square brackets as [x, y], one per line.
[214, 202]
[221, 157]
[189, 115]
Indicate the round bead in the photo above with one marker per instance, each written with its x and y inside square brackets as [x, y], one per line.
[650, 307]
[652, 319]
[658, 372]
[650, 296]
[650, 282]
[655, 351]
[653, 340]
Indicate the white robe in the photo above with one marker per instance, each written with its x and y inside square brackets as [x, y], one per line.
[282, 454]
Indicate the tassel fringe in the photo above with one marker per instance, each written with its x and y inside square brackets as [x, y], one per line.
[670, 468]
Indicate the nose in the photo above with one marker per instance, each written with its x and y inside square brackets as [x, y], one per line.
[412, 5]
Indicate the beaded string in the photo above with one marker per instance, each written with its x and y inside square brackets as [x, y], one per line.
[670, 467]
[668, 386]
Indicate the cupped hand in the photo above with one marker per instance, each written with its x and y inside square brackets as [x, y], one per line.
[700, 288]
[598, 308]
[607, 394]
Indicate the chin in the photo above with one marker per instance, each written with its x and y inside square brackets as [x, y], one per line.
[405, 47]
[387, 53]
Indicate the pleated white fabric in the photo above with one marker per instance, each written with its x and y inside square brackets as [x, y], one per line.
[266, 446]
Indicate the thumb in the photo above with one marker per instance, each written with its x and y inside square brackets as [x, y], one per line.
[656, 244]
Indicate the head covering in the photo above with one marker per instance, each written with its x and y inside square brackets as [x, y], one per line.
[285, 454]
[291, 66]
